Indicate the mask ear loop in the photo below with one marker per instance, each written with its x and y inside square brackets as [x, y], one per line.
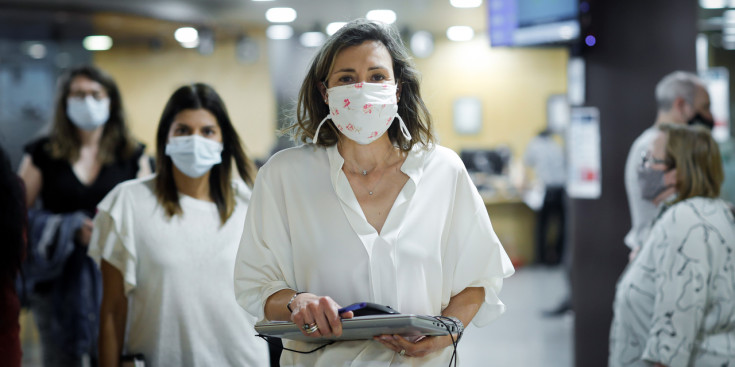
[404, 129]
[316, 135]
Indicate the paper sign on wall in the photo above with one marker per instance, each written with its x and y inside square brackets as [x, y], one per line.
[584, 179]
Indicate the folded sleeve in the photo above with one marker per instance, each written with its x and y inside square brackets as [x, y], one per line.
[475, 257]
[112, 237]
[264, 259]
[681, 276]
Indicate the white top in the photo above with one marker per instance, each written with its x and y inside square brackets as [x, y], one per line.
[642, 211]
[305, 230]
[674, 302]
[546, 158]
[178, 277]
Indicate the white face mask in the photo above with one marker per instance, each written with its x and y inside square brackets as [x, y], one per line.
[88, 113]
[363, 112]
[194, 155]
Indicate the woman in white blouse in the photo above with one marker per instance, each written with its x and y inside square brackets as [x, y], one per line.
[674, 303]
[370, 210]
[167, 245]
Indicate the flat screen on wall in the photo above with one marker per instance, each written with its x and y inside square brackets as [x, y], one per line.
[532, 22]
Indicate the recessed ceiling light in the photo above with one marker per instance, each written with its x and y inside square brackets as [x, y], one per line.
[713, 4]
[279, 32]
[97, 43]
[36, 50]
[422, 44]
[186, 35]
[280, 15]
[312, 39]
[333, 27]
[382, 15]
[465, 3]
[460, 33]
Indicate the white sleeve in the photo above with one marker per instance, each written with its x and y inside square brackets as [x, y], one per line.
[475, 257]
[682, 273]
[264, 260]
[112, 236]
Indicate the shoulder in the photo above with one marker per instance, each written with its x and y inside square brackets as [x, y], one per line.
[241, 190]
[292, 160]
[131, 191]
[38, 149]
[684, 214]
[442, 158]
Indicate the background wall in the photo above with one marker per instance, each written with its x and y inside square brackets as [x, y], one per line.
[147, 76]
[513, 85]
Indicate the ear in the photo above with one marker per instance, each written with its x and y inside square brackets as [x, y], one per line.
[323, 91]
[681, 106]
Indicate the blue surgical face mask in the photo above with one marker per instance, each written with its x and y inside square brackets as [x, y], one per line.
[88, 113]
[194, 155]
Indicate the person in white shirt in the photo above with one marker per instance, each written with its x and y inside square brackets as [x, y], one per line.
[167, 246]
[682, 99]
[370, 209]
[674, 302]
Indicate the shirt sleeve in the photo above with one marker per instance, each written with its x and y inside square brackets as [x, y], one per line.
[475, 256]
[264, 260]
[112, 236]
[681, 276]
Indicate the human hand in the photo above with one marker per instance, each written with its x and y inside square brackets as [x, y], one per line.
[309, 309]
[84, 234]
[633, 253]
[420, 348]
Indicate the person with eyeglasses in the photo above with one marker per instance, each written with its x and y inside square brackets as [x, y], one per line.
[682, 99]
[88, 151]
[674, 302]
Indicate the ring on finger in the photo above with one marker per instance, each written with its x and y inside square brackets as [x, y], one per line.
[311, 328]
[308, 326]
[402, 353]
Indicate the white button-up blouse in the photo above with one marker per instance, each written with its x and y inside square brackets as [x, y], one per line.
[305, 230]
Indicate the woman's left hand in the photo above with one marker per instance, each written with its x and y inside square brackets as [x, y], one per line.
[420, 348]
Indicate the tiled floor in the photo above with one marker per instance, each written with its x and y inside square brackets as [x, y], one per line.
[521, 337]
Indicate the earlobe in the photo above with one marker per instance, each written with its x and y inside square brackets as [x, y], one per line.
[323, 91]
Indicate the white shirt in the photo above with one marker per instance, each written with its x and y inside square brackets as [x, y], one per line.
[642, 211]
[305, 230]
[674, 304]
[178, 277]
[546, 158]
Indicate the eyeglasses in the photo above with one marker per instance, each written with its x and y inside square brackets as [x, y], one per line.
[648, 159]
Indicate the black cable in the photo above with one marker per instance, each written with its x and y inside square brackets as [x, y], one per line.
[455, 342]
[267, 339]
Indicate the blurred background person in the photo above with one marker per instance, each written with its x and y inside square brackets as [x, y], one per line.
[66, 173]
[167, 246]
[682, 99]
[546, 158]
[673, 304]
[13, 232]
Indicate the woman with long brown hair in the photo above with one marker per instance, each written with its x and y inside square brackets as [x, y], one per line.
[167, 245]
[87, 152]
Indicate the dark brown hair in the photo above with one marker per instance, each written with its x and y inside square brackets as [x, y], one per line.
[696, 157]
[194, 97]
[311, 109]
[116, 142]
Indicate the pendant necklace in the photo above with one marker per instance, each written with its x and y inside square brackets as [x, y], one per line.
[365, 172]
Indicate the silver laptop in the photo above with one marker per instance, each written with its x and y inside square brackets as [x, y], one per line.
[365, 327]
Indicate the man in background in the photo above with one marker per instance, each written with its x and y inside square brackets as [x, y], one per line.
[682, 99]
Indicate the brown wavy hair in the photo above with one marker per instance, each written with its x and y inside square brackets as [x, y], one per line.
[311, 109]
[116, 143]
[696, 157]
[201, 96]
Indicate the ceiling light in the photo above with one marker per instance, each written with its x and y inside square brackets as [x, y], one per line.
[280, 15]
[713, 4]
[422, 44]
[333, 27]
[460, 33]
[97, 43]
[465, 3]
[382, 15]
[279, 32]
[186, 35]
[36, 50]
[312, 39]
[190, 44]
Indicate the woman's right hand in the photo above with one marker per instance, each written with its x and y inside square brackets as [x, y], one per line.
[309, 309]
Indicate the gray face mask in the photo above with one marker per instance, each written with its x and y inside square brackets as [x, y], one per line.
[651, 182]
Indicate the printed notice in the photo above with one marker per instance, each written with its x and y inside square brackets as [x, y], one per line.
[584, 179]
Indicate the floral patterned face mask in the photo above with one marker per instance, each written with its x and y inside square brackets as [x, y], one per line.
[363, 112]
